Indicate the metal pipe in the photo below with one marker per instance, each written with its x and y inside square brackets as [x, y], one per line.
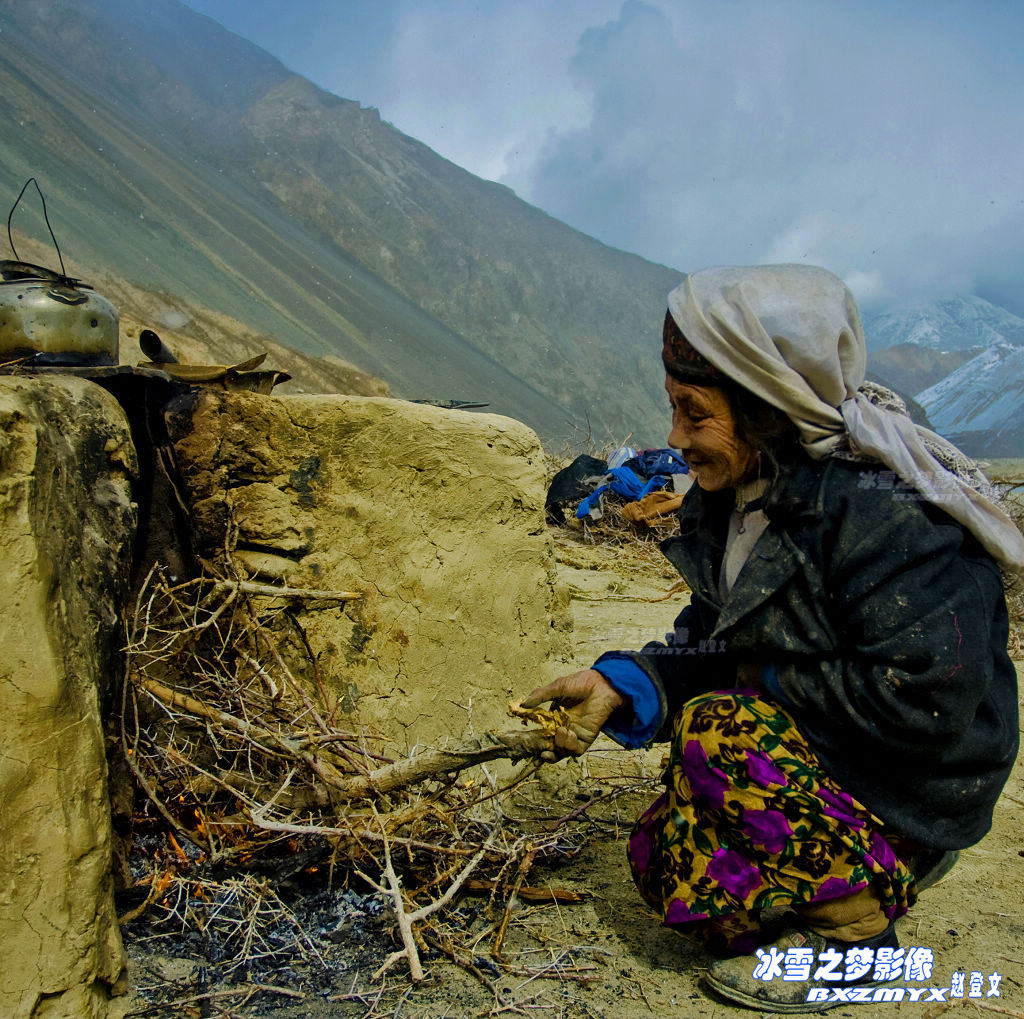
[155, 349]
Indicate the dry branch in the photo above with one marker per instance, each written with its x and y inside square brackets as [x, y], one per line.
[326, 772]
[233, 992]
[275, 591]
[530, 893]
[524, 868]
[512, 746]
[234, 741]
[405, 920]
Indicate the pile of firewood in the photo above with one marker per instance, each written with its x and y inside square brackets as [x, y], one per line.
[248, 777]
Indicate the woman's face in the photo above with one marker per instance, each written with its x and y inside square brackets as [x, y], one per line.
[703, 430]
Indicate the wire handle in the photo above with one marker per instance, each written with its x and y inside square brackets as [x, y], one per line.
[46, 218]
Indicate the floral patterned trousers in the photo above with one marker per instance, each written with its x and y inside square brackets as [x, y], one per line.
[750, 820]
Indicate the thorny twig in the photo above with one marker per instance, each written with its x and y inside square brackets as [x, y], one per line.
[404, 919]
[237, 748]
[524, 868]
[233, 992]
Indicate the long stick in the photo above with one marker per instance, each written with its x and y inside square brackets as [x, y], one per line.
[524, 868]
[513, 746]
[273, 591]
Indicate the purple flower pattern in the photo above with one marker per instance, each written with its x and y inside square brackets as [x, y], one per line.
[762, 771]
[734, 872]
[768, 828]
[835, 888]
[707, 783]
[679, 912]
[641, 847]
[882, 852]
[841, 807]
[750, 819]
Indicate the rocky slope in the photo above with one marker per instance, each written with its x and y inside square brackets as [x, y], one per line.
[186, 160]
[981, 405]
[910, 368]
[963, 360]
[959, 323]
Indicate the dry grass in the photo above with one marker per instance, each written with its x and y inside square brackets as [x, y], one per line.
[1014, 505]
[611, 543]
[250, 780]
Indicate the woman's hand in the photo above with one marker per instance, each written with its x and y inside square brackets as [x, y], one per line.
[589, 700]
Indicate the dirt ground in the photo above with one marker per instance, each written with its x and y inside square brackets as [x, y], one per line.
[608, 957]
[973, 920]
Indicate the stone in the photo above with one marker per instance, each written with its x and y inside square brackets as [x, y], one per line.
[67, 523]
[435, 516]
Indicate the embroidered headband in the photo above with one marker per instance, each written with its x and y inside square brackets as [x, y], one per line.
[683, 361]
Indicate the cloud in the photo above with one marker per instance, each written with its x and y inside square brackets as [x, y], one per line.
[883, 145]
[883, 139]
[484, 83]
[866, 287]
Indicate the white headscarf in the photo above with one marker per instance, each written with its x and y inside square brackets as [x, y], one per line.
[791, 334]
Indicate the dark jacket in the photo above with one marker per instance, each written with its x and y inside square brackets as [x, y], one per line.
[881, 626]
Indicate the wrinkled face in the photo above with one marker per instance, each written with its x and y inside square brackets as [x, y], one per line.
[704, 432]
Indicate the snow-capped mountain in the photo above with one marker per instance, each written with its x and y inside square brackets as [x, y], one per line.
[981, 404]
[962, 359]
[980, 394]
[958, 323]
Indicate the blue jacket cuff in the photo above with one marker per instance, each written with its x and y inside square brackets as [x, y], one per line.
[637, 721]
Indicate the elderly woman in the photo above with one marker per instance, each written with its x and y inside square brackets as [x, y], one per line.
[840, 704]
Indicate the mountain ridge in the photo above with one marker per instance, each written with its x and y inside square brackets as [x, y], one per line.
[947, 324]
[963, 361]
[185, 159]
[384, 245]
[981, 404]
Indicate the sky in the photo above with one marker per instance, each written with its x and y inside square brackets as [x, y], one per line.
[883, 139]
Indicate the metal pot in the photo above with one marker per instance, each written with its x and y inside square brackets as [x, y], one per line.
[53, 319]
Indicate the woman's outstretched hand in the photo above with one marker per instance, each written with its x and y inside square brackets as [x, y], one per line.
[589, 700]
